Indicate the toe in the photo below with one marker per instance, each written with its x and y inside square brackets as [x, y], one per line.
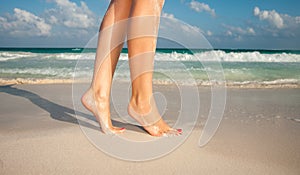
[173, 132]
[119, 130]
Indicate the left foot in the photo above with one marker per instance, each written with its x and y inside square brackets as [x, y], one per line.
[100, 111]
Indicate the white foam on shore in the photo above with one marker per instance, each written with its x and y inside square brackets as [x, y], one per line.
[248, 56]
[34, 81]
[248, 84]
[4, 56]
[60, 72]
[229, 57]
[214, 55]
[236, 76]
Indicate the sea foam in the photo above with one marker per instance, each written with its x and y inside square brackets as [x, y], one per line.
[240, 68]
[213, 55]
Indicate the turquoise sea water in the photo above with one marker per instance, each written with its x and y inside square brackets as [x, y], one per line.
[237, 66]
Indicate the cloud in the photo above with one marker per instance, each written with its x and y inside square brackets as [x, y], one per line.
[228, 33]
[209, 33]
[232, 30]
[272, 17]
[24, 23]
[238, 33]
[77, 18]
[297, 19]
[188, 35]
[168, 15]
[279, 25]
[250, 31]
[199, 7]
[71, 15]
[184, 27]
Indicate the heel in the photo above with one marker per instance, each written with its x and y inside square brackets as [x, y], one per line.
[90, 104]
[105, 127]
[147, 119]
[152, 122]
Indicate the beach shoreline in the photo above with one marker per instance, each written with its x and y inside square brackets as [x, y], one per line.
[249, 84]
[258, 135]
[237, 68]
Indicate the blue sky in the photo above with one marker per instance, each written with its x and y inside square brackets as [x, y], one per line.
[248, 24]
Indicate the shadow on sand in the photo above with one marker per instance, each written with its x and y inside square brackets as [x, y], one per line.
[56, 111]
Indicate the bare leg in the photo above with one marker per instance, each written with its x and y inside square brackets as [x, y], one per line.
[141, 103]
[110, 43]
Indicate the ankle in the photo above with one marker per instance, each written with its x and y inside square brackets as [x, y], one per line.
[141, 104]
[102, 98]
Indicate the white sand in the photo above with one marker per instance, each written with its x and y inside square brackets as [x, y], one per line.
[259, 134]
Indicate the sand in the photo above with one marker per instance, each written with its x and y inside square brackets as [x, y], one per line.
[259, 134]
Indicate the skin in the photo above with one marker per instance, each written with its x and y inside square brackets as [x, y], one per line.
[97, 98]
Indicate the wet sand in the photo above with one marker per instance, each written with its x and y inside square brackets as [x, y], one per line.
[259, 134]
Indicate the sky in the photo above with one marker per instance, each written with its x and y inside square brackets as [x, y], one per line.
[242, 24]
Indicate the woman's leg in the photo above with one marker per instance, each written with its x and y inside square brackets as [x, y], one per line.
[110, 43]
[141, 49]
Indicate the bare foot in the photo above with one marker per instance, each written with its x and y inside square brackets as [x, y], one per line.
[100, 111]
[150, 119]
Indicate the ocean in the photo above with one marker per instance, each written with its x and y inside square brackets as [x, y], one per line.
[237, 67]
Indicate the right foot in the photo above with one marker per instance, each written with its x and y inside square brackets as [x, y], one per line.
[150, 119]
[101, 112]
